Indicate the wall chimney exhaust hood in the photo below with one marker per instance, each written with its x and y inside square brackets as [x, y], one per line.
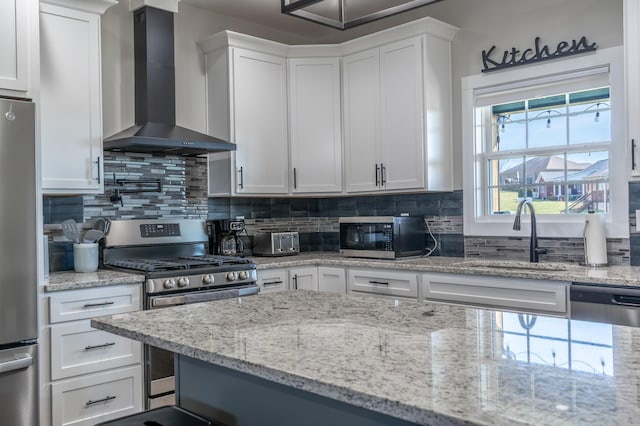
[155, 100]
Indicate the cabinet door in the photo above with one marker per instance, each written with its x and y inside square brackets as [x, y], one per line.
[332, 280]
[260, 123]
[273, 280]
[632, 82]
[14, 25]
[303, 278]
[71, 105]
[402, 155]
[314, 123]
[361, 76]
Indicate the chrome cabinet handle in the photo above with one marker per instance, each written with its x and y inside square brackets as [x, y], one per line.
[24, 360]
[295, 178]
[383, 177]
[272, 283]
[104, 345]
[633, 154]
[95, 305]
[295, 282]
[98, 401]
[377, 171]
[379, 282]
[99, 173]
[241, 171]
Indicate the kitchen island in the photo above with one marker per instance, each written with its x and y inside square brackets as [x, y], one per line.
[311, 358]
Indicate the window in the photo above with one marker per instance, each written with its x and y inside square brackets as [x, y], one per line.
[547, 133]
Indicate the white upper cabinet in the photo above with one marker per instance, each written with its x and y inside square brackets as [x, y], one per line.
[247, 105]
[71, 97]
[632, 82]
[392, 133]
[397, 116]
[14, 31]
[314, 125]
[384, 140]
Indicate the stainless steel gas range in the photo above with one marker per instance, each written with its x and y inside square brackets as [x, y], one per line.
[171, 253]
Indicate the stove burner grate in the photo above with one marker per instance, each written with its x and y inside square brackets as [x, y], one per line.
[179, 263]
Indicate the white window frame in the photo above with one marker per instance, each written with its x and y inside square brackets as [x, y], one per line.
[476, 221]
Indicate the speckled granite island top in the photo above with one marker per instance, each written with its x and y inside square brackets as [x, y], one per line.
[612, 275]
[60, 281]
[428, 364]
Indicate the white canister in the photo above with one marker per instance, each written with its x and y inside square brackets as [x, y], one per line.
[595, 242]
[85, 257]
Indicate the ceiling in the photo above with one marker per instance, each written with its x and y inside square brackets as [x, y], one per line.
[267, 13]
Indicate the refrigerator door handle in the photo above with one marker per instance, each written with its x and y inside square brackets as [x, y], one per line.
[21, 361]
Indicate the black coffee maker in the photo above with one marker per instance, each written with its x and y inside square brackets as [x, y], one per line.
[224, 237]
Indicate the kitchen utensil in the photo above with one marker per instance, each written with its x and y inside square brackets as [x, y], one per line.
[70, 230]
[92, 236]
[102, 224]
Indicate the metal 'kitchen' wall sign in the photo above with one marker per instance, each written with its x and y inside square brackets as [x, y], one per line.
[537, 53]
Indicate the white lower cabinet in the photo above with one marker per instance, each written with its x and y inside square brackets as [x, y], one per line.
[94, 376]
[305, 278]
[496, 292]
[332, 280]
[94, 398]
[385, 283]
[273, 280]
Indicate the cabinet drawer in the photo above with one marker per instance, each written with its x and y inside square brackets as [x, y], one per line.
[83, 304]
[271, 281]
[496, 292]
[77, 348]
[388, 283]
[96, 398]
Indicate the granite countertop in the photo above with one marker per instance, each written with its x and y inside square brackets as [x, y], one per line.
[568, 272]
[428, 364]
[70, 280]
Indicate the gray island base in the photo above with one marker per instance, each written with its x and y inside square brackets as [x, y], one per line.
[309, 358]
[240, 399]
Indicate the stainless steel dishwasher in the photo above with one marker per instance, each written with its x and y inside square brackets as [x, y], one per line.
[605, 303]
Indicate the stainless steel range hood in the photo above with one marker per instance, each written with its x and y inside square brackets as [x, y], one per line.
[155, 99]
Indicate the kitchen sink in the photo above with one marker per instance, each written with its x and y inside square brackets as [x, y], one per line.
[514, 265]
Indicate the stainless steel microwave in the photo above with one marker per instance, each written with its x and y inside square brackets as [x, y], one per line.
[383, 237]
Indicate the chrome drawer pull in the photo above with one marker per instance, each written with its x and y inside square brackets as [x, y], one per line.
[94, 305]
[98, 401]
[273, 283]
[104, 345]
[379, 282]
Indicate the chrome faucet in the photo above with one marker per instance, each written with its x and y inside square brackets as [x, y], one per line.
[534, 250]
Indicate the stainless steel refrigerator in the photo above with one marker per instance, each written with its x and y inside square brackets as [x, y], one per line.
[18, 270]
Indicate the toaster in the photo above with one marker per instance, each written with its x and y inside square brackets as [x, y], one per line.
[276, 244]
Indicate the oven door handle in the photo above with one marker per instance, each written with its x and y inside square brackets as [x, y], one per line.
[162, 302]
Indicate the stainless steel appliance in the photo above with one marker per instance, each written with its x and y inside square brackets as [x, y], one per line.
[18, 254]
[276, 243]
[383, 237]
[171, 253]
[225, 236]
[605, 303]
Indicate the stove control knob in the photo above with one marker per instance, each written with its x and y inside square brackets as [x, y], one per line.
[231, 276]
[183, 282]
[243, 275]
[208, 279]
[168, 284]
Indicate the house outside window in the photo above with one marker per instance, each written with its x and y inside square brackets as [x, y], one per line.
[547, 133]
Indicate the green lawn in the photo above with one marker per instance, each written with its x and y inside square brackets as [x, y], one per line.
[509, 202]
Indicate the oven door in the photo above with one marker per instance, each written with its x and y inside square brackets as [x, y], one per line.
[159, 364]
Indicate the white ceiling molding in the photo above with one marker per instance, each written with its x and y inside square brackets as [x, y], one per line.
[168, 5]
[91, 6]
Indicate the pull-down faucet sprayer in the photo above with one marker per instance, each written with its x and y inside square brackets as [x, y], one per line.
[534, 251]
